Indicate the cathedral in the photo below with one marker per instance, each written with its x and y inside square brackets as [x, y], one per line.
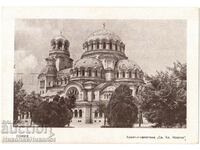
[102, 67]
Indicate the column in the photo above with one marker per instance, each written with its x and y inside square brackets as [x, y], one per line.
[100, 45]
[127, 74]
[133, 74]
[94, 45]
[107, 45]
[120, 74]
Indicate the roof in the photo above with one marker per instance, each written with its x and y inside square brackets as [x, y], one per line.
[65, 71]
[103, 34]
[100, 86]
[126, 64]
[49, 70]
[88, 62]
[104, 85]
[60, 37]
[53, 92]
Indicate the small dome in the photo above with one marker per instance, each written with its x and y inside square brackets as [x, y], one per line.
[88, 62]
[126, 64]
[60, 43]
[61, 38]
[103, 34]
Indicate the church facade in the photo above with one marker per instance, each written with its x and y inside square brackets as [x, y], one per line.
[102, 67]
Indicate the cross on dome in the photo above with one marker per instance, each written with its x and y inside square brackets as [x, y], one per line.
[60, 32]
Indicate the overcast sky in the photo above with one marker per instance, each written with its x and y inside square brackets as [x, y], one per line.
[152, 44]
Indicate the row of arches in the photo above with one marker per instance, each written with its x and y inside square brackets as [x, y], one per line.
[62, 81]
[59, 44]
[24, 115]
[98, 114]
[104, 44]
[107, 96]
[78, 113]
[87, 72]
[129, 74]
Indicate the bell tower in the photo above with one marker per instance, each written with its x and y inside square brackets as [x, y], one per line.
[60, 52]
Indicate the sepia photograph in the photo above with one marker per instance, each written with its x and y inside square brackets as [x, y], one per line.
[100, 73]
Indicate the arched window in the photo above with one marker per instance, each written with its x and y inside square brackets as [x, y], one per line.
[104, 45]
[110, 45]
[116, 47]
[123, 74]
[77, 72]
[91, 46]
[130, 74]
[86, 45]
[65, 80]
[75, 113]
[100, 114]
[59, 44]
[93, 95]
[89, 72]
[73, 91]
[83, 72]
[66, 45]
[117, 74]
[80, 113]
[95, 114]
[22, 115]
[42, 84]
[136, 75]
[96, 73]
[97, 44]
[27, 115]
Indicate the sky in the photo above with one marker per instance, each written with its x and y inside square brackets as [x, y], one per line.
[152, 44]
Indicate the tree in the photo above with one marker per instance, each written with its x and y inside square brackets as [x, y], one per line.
[164, 97]
[19, 96]
[122, 112]
[30, 103]
[57, 113]
[102, 108]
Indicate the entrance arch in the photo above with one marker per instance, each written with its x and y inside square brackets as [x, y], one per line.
[73, 91]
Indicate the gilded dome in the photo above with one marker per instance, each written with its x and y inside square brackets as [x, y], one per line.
[103, 34]
[88, 63]
[126, 64]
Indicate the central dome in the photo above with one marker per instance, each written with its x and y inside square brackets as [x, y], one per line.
[103, 34]
[103, 42]
[126, 64]
[88, 63]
